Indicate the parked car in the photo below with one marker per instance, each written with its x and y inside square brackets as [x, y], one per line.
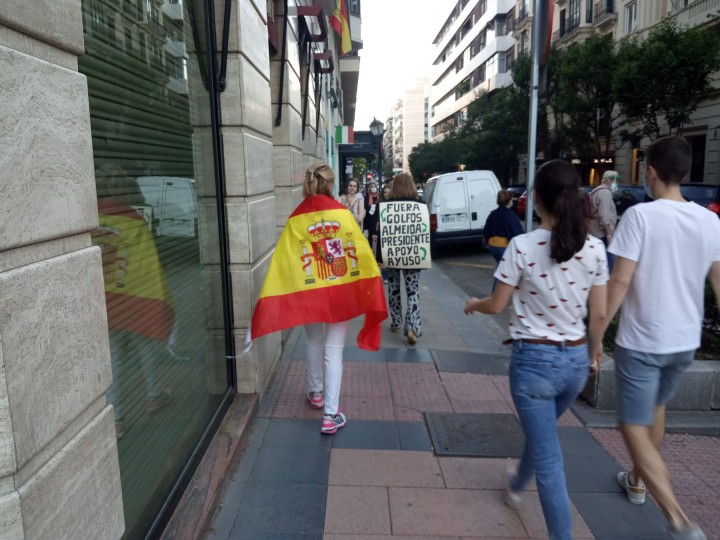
[707, 195]
[522, 207]
[629, 195]
[516, 190]
[459, 204]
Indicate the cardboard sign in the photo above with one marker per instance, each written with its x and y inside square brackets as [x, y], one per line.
[405, 234]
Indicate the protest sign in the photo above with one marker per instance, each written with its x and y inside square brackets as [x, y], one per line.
[405, 234]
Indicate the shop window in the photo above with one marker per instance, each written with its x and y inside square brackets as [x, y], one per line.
[159, 242]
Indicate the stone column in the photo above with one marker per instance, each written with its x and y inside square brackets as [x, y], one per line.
[250, 199]
[59, 471]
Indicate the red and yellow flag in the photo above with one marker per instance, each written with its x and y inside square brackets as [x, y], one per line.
[136, 290]
[323, 270]
[340, 22]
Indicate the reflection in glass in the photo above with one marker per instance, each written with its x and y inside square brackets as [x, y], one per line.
[146, 68]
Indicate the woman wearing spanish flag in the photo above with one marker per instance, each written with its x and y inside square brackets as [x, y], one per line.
[323, 274]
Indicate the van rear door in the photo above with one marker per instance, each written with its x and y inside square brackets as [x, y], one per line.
[483, 199]
[450, 203]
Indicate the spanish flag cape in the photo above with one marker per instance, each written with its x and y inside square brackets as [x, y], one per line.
[136, 290]
[322, 271]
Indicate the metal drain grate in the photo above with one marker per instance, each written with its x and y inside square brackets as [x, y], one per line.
[475, 435]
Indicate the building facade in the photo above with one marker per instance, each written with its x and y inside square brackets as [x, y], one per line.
[575, 20]
[474, 52]
[151, 152]
[407, 125]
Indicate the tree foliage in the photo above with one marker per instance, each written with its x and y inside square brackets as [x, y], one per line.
[596, 90]
[662, 80]
[583, 94]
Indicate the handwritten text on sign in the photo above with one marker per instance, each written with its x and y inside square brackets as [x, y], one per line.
[405, 234]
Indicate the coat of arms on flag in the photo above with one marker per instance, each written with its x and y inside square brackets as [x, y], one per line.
[322, 271]
[329, 252]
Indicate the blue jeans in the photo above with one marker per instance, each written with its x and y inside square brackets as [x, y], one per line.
[497, 253]
[544, 381]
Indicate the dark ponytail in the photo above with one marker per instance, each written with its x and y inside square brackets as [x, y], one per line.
[557, 187]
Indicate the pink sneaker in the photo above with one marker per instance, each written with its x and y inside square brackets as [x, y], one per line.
[331, 424]
[316, 400]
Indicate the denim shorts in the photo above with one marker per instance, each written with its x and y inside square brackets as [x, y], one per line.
[646, 380]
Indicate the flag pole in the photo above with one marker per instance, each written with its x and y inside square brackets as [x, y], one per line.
[532, 125]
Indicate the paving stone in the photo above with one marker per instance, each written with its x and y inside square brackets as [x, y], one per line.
[291, 465]
[406, 414]
[367, 408]
[368, 435]
[577, 441]
[591, 474]
[408, 356]
[470, 362]
[357, 510]
[295, 433]
[704, 511]
[531, 514]
[302, 509]
[365, 379]
[611, 516]
[418, 387]
[456, 512]
[356, 354]
[388, 537]
[414, 436]
[477, 473]
[384, 468]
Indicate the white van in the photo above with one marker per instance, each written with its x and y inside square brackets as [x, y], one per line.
[459, 204]
[174, 205]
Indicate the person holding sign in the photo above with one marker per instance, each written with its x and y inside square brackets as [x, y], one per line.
[550, 274]
[404, 234]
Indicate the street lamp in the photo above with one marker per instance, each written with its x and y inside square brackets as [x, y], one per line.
[378, 129]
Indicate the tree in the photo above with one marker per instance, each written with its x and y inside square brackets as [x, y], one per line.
[582, 83]
[661, 81]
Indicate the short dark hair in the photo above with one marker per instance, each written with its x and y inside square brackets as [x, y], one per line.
[504, 197]
[671, 157]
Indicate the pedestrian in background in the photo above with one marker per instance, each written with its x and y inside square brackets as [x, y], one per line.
[403, 189]
[550, 274]
[501, 226]
[603, 214]
[372, 226]
[353, 201]
[665, 250]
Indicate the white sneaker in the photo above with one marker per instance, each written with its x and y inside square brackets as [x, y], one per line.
[691, 532]
[635, 494]
[510, 497]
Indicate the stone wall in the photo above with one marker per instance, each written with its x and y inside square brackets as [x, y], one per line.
[59, 472]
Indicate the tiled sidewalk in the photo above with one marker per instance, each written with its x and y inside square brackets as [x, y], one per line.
[378, 478]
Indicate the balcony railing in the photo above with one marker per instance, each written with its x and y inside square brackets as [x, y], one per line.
[603, 11]
[522, 15]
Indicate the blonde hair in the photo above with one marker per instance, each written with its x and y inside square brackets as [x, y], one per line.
[403, 187]
[319, 180]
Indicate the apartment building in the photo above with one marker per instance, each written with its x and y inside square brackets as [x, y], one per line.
[575, 20]
[388, 152]
[474, 52]
[151, 150]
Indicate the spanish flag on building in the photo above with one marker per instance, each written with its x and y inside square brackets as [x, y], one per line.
[323, 270]
[340, 23]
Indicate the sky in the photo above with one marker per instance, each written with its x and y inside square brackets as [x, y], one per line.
[397, 48]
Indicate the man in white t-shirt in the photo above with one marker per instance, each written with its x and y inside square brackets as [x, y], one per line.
[664, 252]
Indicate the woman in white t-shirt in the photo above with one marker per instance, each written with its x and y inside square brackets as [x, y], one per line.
[550, 274]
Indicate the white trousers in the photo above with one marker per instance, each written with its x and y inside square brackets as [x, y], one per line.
[325, 343]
